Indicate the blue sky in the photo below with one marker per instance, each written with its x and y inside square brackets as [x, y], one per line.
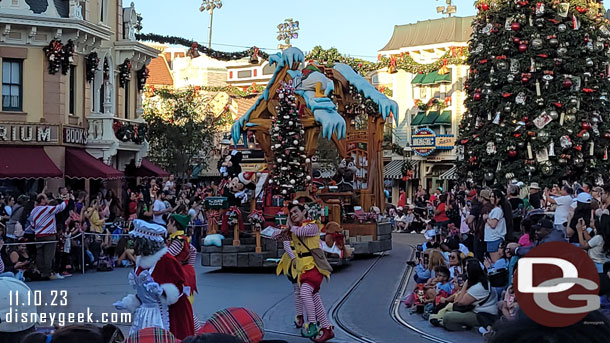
[355, 27]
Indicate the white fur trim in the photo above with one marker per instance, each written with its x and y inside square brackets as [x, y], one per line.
[131, 302]
[171, 293]
[147, 262]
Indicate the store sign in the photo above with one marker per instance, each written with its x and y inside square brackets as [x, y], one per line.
[75, 135]
[253, 167]
[425, 141]
[29, 133]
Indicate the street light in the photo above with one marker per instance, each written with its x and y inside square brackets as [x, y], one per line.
[286, 31]
[448, 10]
[407, 151]
[210, 6]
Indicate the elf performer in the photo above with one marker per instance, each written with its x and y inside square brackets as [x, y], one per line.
[158, 279]
[179, 246]
[311, 268]
[287, 266]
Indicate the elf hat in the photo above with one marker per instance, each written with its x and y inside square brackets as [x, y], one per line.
[246, 177]
[146, 230]
[182, 220]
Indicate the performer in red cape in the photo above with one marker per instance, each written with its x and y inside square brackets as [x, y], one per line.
[158, 279]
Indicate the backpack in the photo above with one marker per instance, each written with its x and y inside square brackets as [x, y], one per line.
[105, 264]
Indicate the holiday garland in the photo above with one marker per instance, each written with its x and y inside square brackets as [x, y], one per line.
[433, 103]
[235, 92]
[455, 56]
[92, 63]
[127, 132]
[59, 56]
[288, 145]
[142, 76]
[124, 72]
[219, 55]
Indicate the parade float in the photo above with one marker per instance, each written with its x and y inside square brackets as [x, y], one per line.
[302, 101]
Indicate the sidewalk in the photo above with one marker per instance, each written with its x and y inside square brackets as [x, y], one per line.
[415, 319]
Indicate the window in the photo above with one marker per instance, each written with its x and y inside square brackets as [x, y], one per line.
[244, 74]
[12, 84]
[103, 9]
[127, 99]
[102, 97]
[72, 89]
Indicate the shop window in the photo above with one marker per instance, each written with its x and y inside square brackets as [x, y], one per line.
[12, 85]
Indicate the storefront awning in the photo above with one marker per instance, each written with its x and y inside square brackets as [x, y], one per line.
[418, 118]
[81, 165]
[24, 162]
[417, 80]
[433, 78]
[450, 174]
[149, 169]
[393, 170]
[429, 118]
[444, 118]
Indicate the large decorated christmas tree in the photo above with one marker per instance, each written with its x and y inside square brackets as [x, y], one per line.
[537, 106]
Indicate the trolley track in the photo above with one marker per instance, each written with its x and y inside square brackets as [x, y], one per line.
[335, 309]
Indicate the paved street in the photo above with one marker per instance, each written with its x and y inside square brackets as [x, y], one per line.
[365, 311]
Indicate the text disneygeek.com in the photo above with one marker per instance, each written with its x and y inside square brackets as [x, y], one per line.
[15, 316]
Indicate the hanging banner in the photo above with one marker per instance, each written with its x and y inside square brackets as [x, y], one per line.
[425, 141]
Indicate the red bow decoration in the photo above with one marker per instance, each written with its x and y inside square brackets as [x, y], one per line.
[483, 61]
[558, 104]
[501, 57]
[255, 213]
[588, 90]
[581, 9]
[578, 147]
[554, 21]
[543, 55]
[212, 216]
[523, 3]
[507, 95]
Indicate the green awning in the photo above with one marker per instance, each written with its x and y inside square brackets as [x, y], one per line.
[418, 79]
[418, 118]
[443, 78]
[430, 78]
[444, 118]
[430, 118]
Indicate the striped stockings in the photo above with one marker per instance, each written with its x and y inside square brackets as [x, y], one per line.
[298, 301]
[314, 309]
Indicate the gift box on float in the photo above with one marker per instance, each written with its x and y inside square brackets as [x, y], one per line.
[281, 219]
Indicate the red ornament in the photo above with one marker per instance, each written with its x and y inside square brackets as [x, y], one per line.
[522, 47]
[525, 79]
[578, 147]
[484, 7]
[516, 135]
[607, 135]
[567, 83]
[515, 26]
[586, 125]
[516, 40]
[586, 39]
[512, 153]
[477, 96]
[526, 119]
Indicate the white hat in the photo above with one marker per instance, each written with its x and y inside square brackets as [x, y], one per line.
[534, 185]
[10, 286]
[150, 231]
[399, 208]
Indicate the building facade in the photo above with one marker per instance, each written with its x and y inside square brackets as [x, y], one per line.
[71, 73]
[432, 104]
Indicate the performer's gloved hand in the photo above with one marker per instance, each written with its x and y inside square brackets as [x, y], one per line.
[154, 288]
[119, 305]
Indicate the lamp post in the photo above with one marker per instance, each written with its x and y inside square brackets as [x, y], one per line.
[448, 10]
[210, 6]
[406, 158]
[286, 31]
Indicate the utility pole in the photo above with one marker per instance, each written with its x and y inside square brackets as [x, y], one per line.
[210, 6]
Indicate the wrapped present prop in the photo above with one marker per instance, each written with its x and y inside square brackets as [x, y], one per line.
[281, 219]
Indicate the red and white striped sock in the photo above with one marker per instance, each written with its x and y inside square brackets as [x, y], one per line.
[298, 302]
[308, 304]
[320, 311]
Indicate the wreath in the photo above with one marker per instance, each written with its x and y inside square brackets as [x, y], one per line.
[142, 75]
[256, 220]
[59, 56]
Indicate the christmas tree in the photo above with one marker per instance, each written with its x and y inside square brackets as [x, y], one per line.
[537, 106]
[288, 146]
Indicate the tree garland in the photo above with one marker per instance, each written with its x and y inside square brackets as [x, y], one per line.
[236, 92]
[124, 73]
[215, 54]
[92, 63]
[455, 56]
[432, 103]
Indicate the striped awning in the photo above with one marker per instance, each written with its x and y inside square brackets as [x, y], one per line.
[450, 174]
[393, 170]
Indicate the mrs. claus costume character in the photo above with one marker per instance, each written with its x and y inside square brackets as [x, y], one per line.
[158, 280]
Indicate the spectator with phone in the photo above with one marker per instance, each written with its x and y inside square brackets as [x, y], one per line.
[597, 247]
